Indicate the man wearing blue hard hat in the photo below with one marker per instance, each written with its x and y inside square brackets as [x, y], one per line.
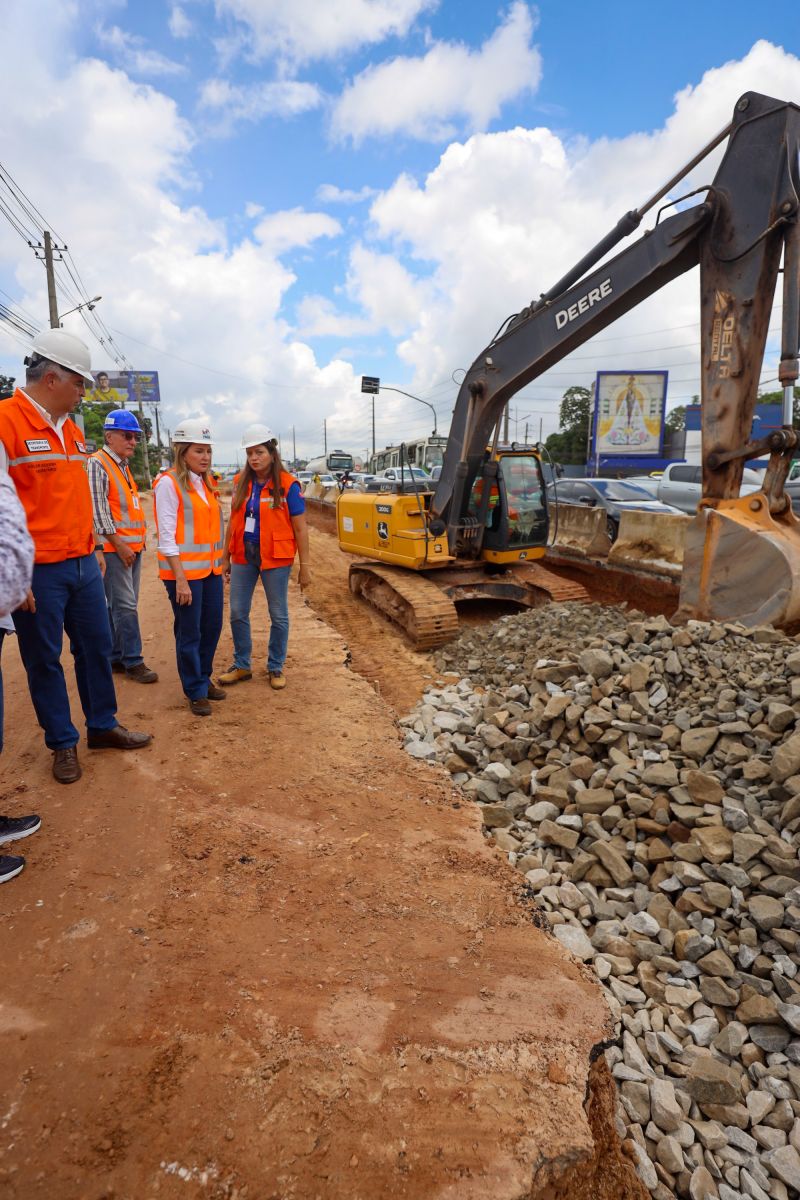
[120, 530]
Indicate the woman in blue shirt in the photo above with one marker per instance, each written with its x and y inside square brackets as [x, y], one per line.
[266, 530]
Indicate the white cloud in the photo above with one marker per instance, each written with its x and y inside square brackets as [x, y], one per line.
[132, 53]
[329, 193]
[294, 229]
[234, 102]
[203, 310]
[303, 30]
[317, 316]
[179, 24]
[504, 215]
[451, 87]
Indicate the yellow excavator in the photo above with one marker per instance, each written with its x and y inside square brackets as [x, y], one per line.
[483, 531]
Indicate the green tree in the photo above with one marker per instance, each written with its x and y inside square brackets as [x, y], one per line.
[569, 444]
[676, 419]
[6, 386]
[777, 398]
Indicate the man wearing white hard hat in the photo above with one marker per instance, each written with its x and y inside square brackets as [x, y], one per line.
[267, 529]
[44, 453]
[190, 532]
[120, 529]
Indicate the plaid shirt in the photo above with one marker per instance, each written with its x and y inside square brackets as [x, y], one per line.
[98, 483]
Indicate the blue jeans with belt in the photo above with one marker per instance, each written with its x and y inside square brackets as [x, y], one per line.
[275, 581]
[197, 627]
[69, 599]
[122, 593]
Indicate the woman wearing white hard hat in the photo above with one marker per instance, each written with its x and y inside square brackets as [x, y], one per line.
[266, 531]
[190, 535]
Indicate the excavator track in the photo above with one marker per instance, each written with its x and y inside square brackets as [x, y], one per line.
[557, 587]
[414, 603]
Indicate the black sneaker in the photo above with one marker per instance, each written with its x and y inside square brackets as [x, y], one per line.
[14, 828]
[10, 865]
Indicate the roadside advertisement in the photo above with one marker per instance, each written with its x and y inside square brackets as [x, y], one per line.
[629, 412]
[124, 388]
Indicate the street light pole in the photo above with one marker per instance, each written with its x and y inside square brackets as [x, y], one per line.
[86, 304]
[385, 388]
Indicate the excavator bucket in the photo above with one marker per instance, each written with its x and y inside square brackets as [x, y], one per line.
[741, 563]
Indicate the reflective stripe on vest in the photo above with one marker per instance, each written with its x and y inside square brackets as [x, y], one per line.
[197, 558]
[129, 520]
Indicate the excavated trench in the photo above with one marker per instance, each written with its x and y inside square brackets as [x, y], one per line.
[379, 653]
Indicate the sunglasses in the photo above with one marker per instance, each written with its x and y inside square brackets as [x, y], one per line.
[129, 436]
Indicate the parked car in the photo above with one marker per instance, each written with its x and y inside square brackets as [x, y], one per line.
[614, 495]
[395, 474]
[682, 485]
[359, 479]
[436, 473]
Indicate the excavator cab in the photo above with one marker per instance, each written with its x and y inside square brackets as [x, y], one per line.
[514, 519]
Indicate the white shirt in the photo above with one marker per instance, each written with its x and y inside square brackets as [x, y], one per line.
[167, 511]
[57, 426]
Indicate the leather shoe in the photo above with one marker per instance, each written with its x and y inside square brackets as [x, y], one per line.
[216, 693]
[118, 738]
[66, 768]
[201, 707]
[141, 674]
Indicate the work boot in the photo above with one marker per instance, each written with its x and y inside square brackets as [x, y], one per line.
[216, 693]
[277, 680]
[201, 707]
[66, 768]
[234, 675]
[141, 673]
[117, 738]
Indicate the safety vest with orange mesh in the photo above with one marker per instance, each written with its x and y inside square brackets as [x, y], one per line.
[198, 532]
[277, 541]
[50, 477]
[123, 500]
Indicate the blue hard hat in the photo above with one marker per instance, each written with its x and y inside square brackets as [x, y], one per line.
[121, 418]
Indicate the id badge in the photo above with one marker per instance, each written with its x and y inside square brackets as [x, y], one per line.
[249, 524]
[135, 499]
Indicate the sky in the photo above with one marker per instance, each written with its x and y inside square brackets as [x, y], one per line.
[276, 197]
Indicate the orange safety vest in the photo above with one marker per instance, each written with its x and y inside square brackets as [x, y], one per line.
[198, 533]
[123, 500]
[277, 541]
[50, 479]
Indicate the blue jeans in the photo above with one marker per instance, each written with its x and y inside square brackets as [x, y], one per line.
[197, 627]
[69, 598]
[122, 593]
[275, 580]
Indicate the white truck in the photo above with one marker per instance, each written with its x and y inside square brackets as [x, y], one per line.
[681, 485]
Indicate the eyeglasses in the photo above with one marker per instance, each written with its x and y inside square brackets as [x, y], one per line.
[129, 436]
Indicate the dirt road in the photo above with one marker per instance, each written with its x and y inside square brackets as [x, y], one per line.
[270, 956]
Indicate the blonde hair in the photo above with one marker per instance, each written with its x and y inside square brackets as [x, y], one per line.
[182, 470]
[245, 480]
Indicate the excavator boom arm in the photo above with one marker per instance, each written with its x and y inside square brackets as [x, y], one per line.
[736, 235]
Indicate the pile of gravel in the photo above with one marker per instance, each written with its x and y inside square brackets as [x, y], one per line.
[645, 780]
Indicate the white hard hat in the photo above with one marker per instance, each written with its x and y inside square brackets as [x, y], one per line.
[256, 435]
[195, 431]
[65, 349]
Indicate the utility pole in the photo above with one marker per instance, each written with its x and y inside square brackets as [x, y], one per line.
[526, 433]
[294, 450]
[325, 434]
[505, 426]
[158, 437]
[52, 299]
[137, 384]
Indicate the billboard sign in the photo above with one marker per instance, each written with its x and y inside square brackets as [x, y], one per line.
[124, 388]
[629, 413]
